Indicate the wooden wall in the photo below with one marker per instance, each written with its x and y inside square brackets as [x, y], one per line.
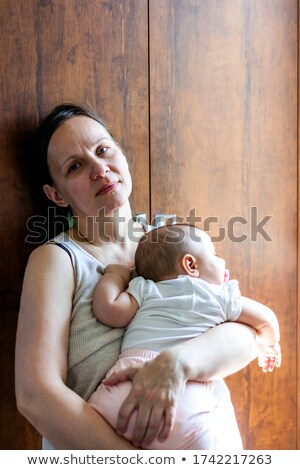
[223, 120]
[75, 50]
[203, 97]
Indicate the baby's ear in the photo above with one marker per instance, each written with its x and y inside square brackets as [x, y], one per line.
[189, 265]
[54, 196]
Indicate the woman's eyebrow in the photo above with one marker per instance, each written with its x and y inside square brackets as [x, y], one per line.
[99, 139]
[92, 144]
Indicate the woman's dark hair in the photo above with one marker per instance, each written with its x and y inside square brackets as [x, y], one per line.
[39, 170]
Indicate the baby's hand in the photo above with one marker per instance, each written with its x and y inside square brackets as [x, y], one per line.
[269, 357]
[120, 270]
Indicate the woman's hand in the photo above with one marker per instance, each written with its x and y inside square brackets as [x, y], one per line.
[156, 389]
[158, 385]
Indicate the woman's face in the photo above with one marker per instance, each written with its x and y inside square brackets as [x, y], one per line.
[89, 170]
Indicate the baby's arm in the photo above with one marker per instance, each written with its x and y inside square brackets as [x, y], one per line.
[264, 321]
[112, 305]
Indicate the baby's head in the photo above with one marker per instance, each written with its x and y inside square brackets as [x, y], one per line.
[171, 250]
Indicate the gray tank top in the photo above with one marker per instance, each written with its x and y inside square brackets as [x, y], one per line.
[93, 347]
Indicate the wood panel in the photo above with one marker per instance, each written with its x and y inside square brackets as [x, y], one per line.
[91, 52]
[223, 107]
[298, 257]
[223, 97]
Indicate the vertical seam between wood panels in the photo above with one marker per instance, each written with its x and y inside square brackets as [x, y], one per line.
[149, 111]
[298, 255]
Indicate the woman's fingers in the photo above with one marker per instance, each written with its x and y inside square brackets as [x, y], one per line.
[142, 425]
[160, 424]
[154, 418]
[156, 388]
[156, 411]
[120, 376]
[126, 410]
[169, 420]
[162, 416]
[140, 400]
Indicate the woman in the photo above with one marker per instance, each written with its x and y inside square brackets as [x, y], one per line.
[62, 351]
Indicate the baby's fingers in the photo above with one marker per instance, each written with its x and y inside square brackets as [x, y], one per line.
[278, 361]
[279, 356]
[271, 364]
[268, 363]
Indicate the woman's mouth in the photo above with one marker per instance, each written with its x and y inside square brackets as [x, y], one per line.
[107, 188]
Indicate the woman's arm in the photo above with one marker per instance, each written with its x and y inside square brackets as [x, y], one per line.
[59, 414]
[112, 305]
[219, 352]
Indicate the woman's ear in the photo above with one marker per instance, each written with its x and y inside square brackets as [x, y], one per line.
[189, 265]
[54, 196]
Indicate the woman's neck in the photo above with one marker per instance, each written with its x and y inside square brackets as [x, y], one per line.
[110, 238]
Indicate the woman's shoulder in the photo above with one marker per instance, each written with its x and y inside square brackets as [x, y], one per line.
[59, 247]
[48, 256]
[47, 250]
[48, 269]
[77, 251]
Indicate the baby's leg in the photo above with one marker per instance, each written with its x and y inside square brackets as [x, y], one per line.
[205, 418]
[224, 420]
[107, 400]
[193, 425]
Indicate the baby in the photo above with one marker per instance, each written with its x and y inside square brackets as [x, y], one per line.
[182, 289]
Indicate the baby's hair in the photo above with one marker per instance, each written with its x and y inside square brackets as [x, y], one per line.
[160, 250]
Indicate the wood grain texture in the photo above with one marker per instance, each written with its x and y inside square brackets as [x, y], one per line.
[223, 107]
[93, 53]
[223, 138]
[298, 257]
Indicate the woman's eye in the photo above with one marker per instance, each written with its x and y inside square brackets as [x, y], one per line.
[101, 150]
[73, 167]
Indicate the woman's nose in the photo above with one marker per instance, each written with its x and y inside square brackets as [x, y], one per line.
[98, 169]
